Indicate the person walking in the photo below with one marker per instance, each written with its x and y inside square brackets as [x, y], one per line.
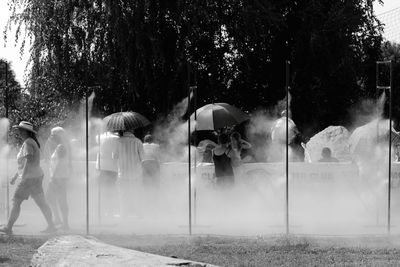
[60, 171]
[129, 155]
[222, 157]
[30, 175]
[107, 166]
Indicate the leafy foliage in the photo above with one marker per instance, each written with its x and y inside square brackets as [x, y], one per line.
[139, 53]
[14, 89]
[44, 107]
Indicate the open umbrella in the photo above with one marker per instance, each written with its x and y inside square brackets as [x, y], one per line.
[365, 138]
[217, 116]
[123, 121]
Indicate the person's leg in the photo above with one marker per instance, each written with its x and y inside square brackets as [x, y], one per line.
[104, 193]
[44, 207]
[126, 197]
[101, 193]
[62, 201]
[120, 185]
[15, 211]
[20, 194]
[51, 197]
[110, 194]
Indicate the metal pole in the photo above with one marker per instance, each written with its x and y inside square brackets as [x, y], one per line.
[377, 129]
[195, 155]
[390, 145]
[384, 88]
[99, 184]
[189, 157]
[287, 147]
[87, 161]
[377, 80]
[7, 167]
[377, 99]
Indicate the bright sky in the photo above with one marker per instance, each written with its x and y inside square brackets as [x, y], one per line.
[11, 53]
[387, 6]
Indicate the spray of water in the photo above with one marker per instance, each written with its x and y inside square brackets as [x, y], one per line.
[321, 202]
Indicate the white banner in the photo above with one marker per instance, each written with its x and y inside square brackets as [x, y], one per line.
[299, 173]
[177, 171]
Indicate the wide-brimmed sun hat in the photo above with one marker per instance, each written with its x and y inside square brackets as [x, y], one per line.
[25, 125]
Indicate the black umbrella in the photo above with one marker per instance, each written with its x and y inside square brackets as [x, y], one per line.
[123, 121]
[217, 116]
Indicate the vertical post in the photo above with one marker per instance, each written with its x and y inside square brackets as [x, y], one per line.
[195, 155]
[99, 184]
[377, 80]
[87, 160]
[390, 144]
[189, 156]
[287, 147]
[377, 128]
[7, 170]
[384, 88]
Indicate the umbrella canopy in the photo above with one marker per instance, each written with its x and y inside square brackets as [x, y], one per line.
[217, 116]
[366, 138]
[123, 121]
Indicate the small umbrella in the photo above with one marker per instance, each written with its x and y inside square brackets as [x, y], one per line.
[217, 116]
[123, 121]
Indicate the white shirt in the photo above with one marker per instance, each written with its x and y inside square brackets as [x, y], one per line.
[151, 151]
[49, 148]
[60, 166]
[29, 148]
[129, 155]
[105, 159]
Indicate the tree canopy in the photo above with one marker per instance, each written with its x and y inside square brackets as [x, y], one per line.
[7, 79]
[139, 52]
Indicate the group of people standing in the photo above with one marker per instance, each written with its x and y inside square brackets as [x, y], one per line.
[127, 166]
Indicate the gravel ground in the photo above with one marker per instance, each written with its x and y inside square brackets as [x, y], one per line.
[236, 251]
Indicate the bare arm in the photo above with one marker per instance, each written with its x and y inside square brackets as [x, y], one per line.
[12, 181]
[245, 144]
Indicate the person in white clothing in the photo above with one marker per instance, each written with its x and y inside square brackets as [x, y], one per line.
[151, 176]
[107, 166]
[278, 138]
[60, 171]
[129, 155]
[151, 162]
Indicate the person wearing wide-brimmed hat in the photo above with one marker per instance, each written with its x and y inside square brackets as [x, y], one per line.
[31, 176]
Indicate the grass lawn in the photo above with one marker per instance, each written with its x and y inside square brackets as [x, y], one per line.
[236, 251]
[18, 251]
[269, 251]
